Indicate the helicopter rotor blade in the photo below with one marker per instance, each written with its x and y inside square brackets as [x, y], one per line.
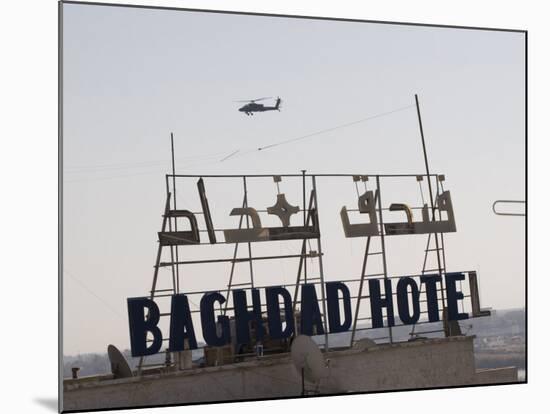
[254, 100]
[262, 99]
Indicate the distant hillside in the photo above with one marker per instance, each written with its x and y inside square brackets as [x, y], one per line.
[500, 339]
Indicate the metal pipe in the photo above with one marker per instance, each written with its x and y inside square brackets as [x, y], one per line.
[507, 201]
[248, 226]
[303, 252]
[293, 175]
[305, 225]
[156, 271]
[175, 208]
[382, 242]
[361, 283]
[321, 273]
[238, 260]
[442, 250]
[366, 255]
[166, 217]
[231, 273]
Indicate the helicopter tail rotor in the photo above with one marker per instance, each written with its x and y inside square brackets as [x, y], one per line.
[278, 104]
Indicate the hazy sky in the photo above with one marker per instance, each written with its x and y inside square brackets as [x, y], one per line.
[131, 76]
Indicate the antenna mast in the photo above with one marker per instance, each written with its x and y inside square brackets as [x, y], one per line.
[432, 205]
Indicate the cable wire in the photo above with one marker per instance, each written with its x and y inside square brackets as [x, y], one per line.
[288, 141]
[206, 158]
[92, 293]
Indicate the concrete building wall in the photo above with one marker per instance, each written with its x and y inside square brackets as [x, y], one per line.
[420, 364]
[496, 376]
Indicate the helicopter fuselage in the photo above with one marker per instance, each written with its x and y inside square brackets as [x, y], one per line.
[252, 107]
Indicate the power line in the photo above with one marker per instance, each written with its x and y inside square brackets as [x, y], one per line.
[110, 177]
[229, 156]
[288, 141]
[323, 131]
[92, 293]
[129, 165]
[207, 157]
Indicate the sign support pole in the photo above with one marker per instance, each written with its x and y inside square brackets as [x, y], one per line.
[431, 201]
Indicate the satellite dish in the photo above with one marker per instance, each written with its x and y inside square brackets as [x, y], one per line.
[308, 359]
[119, 365]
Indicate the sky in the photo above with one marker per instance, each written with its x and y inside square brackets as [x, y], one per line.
[133, 76]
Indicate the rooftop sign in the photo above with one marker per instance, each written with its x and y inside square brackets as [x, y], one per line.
[273, 311]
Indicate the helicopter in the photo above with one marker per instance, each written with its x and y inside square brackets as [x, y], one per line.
[252, 106]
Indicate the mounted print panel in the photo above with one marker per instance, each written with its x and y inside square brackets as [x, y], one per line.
[287, 207]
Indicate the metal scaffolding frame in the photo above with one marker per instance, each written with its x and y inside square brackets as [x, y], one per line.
[310, 218]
